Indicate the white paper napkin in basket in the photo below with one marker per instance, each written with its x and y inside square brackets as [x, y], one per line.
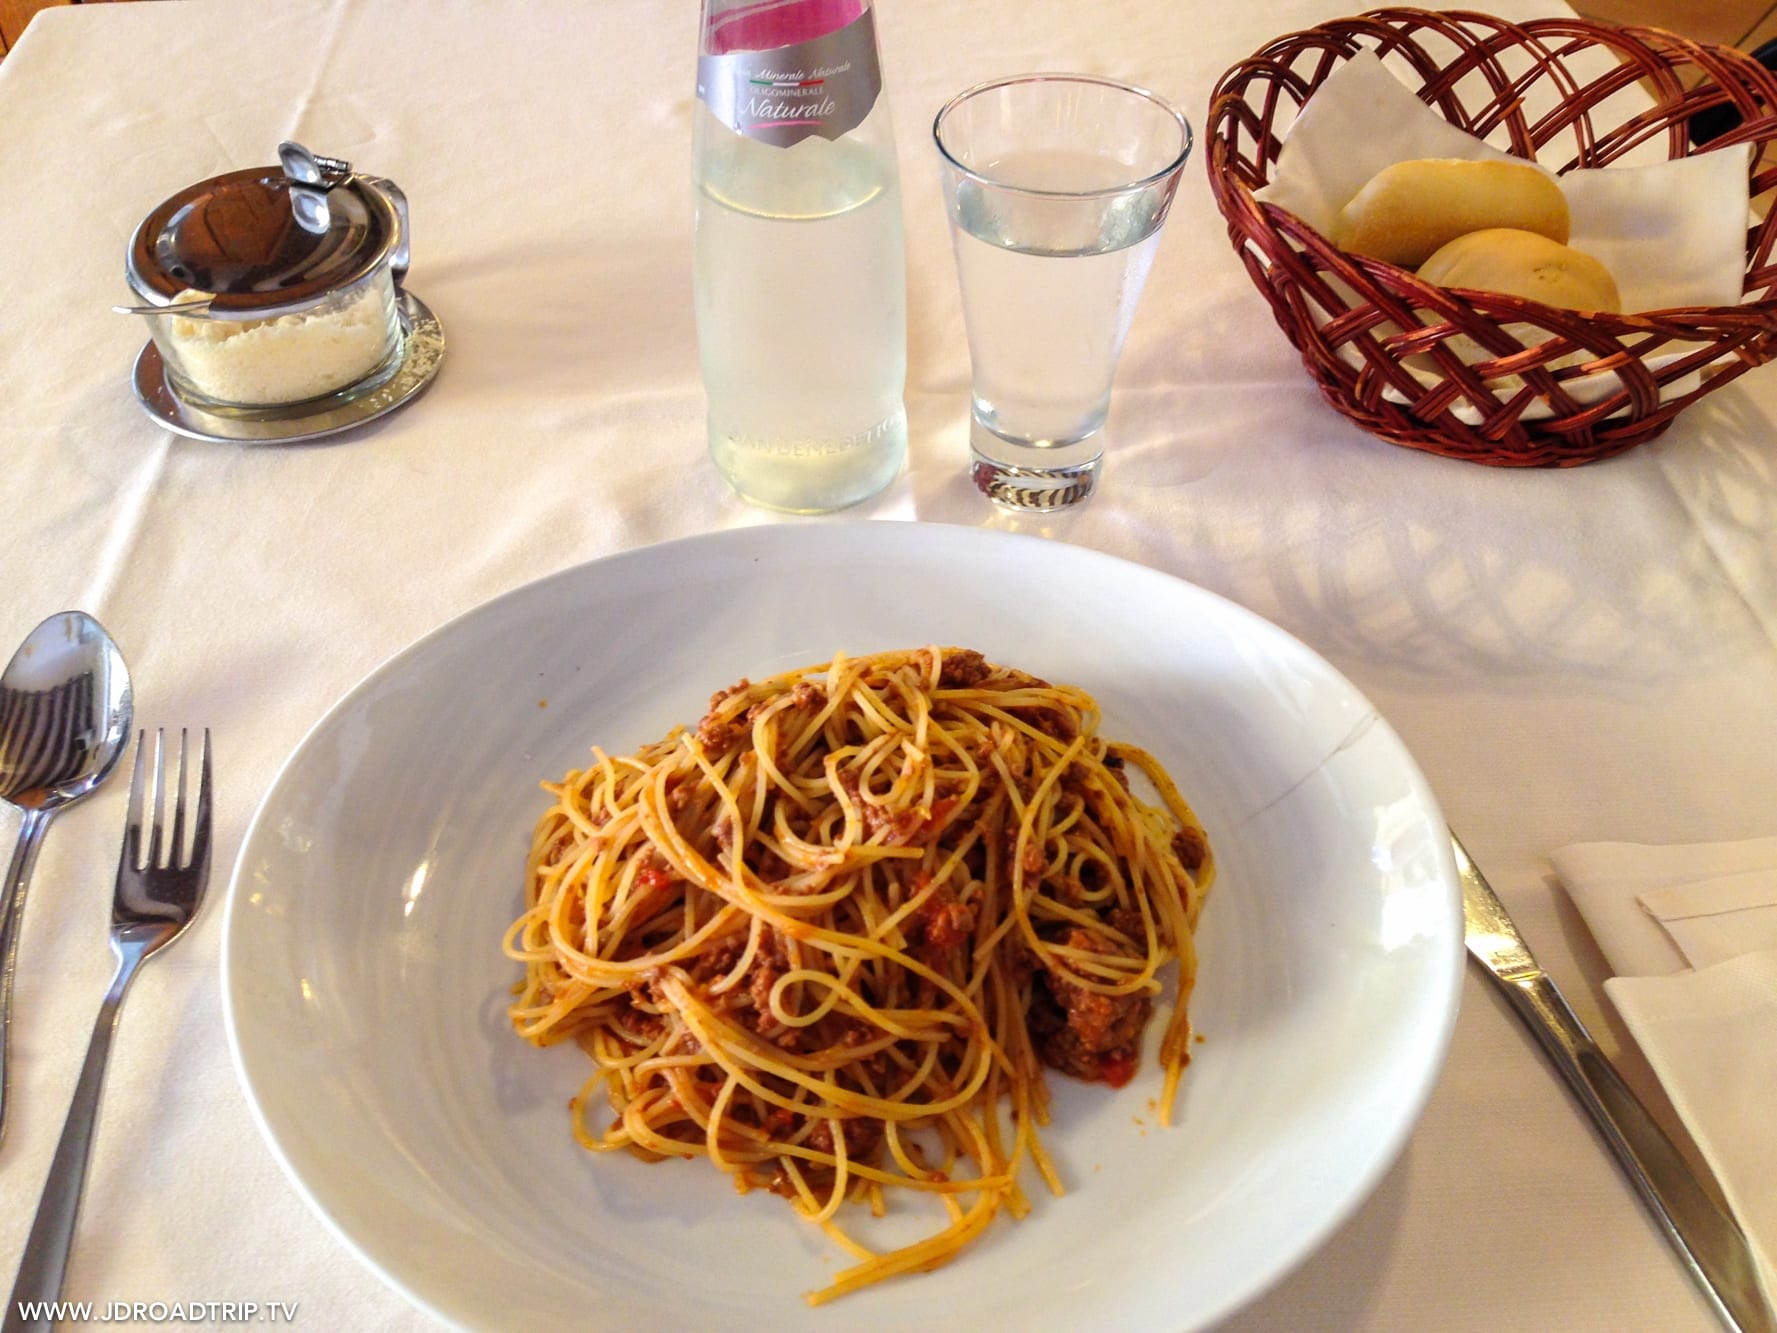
[1672, 232]
[1691, 934]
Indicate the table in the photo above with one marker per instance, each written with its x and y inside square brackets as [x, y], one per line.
[1581, 655]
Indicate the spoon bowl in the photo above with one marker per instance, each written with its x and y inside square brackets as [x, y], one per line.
[65, 711]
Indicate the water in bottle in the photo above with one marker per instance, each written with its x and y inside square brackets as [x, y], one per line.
[800, 269]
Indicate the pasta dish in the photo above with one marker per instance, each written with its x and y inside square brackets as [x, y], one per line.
[830, 938]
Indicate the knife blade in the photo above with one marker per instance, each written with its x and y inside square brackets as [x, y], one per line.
[1704, 1233]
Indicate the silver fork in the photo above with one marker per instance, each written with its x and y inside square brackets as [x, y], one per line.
[158, 893]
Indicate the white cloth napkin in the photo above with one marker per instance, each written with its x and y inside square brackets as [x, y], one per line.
[1691, 934]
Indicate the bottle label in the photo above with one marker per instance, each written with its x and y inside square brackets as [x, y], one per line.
[825, 86]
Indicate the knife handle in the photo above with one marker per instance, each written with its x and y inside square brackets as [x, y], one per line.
[1653, 1163]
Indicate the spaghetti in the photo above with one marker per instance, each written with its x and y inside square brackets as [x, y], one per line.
[825, 936]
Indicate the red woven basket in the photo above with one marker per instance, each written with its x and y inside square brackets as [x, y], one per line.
[1356, 321]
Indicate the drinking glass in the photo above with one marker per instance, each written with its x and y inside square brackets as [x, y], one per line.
[1057, 186]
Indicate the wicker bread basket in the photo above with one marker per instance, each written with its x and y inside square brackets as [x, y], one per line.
[1357, 321]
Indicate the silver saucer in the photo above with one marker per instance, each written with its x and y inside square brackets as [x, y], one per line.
[422, 351]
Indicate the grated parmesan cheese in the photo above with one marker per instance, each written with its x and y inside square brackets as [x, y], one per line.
[286, 359]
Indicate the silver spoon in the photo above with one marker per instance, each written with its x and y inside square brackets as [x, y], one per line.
[65, 712]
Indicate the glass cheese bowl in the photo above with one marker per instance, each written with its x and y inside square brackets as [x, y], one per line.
[269, 293]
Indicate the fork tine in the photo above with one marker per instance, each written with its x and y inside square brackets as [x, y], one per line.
[132, 829]
[176, 849]
[200, 830]
[160, 797]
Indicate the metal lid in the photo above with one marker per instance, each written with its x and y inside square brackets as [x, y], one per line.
[256, 239]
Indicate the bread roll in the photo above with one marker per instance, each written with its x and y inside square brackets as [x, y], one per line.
[1521, 263]
[1410, 209]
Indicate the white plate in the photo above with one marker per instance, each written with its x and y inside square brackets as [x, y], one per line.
[366, 990]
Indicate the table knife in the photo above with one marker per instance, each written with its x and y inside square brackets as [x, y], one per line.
[1702, 1231]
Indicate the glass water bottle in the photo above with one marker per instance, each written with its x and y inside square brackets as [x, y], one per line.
[801, 285]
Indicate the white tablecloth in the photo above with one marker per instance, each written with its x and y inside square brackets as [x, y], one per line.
[1579, 655]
